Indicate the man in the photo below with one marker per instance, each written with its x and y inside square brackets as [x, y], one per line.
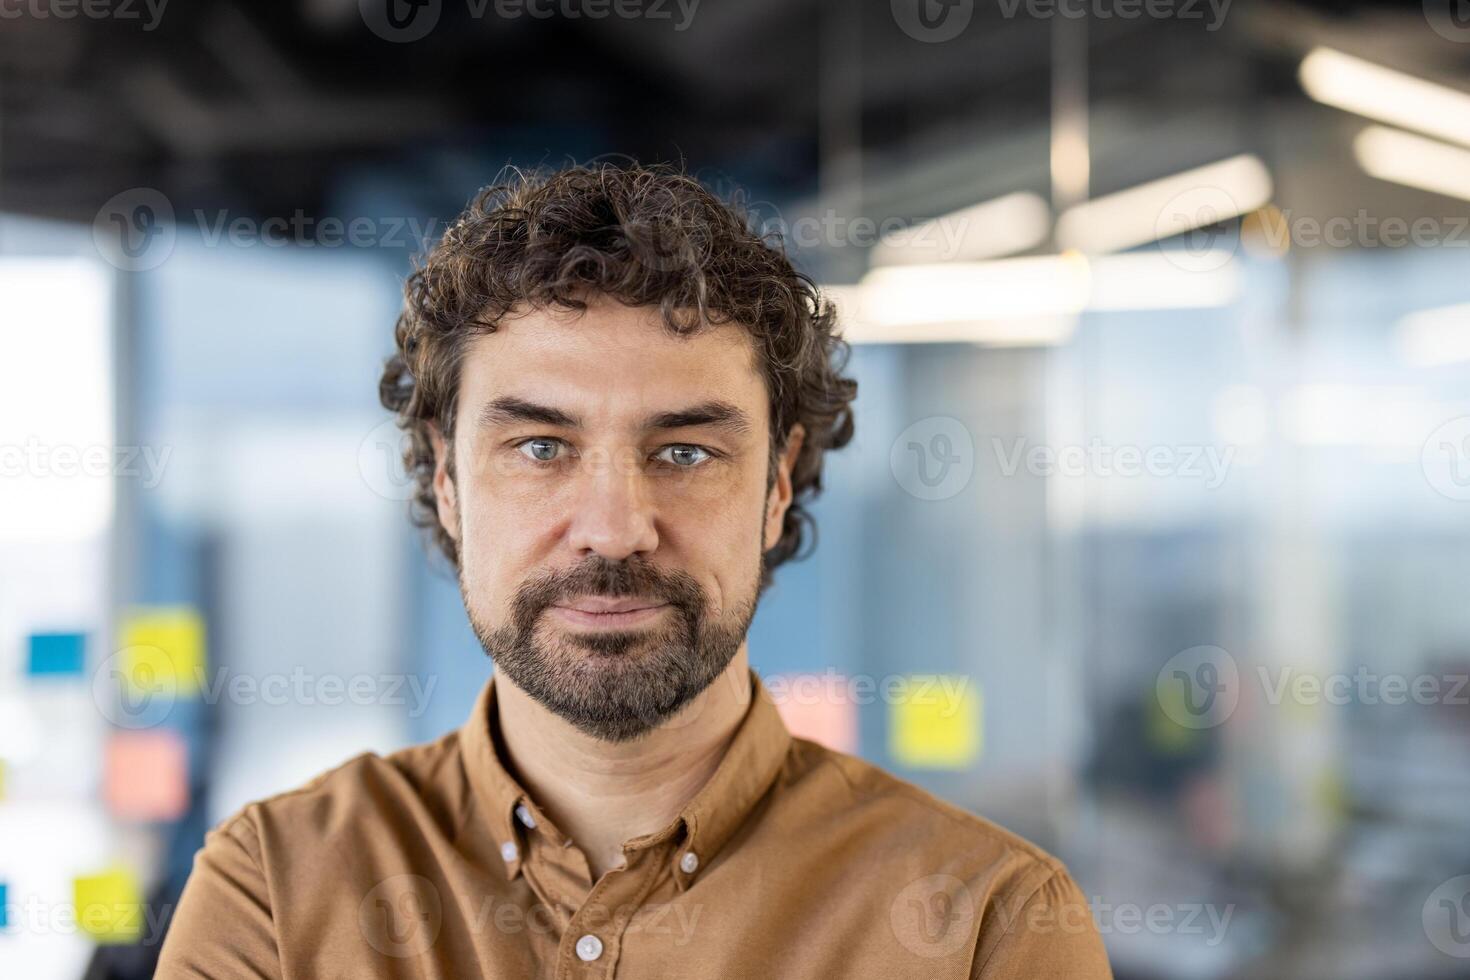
[618, 400]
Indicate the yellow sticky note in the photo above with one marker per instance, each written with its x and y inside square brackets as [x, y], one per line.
[935, 721]
[109, 907]
[162, 647]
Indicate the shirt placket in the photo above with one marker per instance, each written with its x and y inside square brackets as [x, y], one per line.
[593, 940]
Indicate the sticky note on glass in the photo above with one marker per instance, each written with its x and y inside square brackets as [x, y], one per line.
[162, 649]
[4, 904]
[146, 776]
[935, 721]
[109, 907]
[57, 654]
[819, 707]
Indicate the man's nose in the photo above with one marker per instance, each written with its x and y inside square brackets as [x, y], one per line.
[614, 510]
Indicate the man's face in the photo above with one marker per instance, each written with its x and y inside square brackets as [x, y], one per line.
[610, 503]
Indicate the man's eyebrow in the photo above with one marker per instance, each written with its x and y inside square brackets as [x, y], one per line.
[721, 415]
[509, 410]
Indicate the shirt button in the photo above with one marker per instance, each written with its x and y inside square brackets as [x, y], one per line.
[509, 851]
[589, 948]
[524, 816]
[689, 862]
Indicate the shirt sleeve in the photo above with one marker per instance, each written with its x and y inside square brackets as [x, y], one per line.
[223, 928]
[1052, 936]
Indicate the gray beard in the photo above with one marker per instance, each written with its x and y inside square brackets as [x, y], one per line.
[617, 685]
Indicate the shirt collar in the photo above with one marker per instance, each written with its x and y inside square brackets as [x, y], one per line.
[748, 768]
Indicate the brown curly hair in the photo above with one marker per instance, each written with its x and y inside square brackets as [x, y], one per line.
[645, 236]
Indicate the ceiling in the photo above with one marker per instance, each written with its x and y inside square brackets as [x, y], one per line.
[272, 108]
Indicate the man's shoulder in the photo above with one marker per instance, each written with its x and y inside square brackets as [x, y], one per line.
[866, 807]
[421, 781]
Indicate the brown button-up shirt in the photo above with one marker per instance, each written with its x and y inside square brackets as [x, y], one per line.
[792, 861]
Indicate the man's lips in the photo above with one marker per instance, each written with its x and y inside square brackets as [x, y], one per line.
[602, 612]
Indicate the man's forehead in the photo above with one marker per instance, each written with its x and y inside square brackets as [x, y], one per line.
[613, 359]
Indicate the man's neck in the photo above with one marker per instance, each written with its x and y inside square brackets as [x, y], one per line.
[602, 794]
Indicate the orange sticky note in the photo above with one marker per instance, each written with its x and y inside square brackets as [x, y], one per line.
[147, 775]
[109, 907]
[817, 707]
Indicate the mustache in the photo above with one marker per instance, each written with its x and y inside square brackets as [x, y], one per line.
[597, 576]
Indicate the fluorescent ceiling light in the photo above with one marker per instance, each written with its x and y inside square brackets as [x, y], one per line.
[1167, 207]
[1361, 87]
[1022, 301]
[1432, 337]
[1414, 161]
[1002, 226]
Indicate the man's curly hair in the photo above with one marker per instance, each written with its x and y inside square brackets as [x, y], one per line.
[645, 236]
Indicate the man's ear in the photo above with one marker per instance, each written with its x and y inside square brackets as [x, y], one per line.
[445, 493]
[778, 501]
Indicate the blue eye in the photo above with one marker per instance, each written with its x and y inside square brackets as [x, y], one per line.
[540, 450]
[684, 456]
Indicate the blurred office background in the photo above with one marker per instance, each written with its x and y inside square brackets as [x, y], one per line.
[1161, 320]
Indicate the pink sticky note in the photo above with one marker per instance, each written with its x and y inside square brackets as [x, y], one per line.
[147, 775]
[819, 707]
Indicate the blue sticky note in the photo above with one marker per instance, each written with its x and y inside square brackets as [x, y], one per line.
[57, 654]
[3, 895]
